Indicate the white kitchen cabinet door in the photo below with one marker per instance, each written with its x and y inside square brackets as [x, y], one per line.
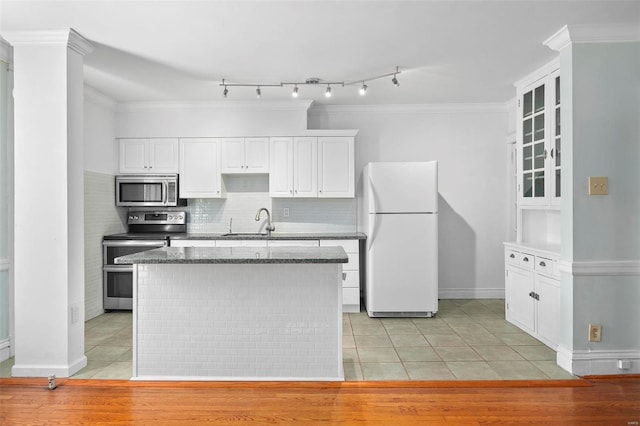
[520, 305]
[281, 167]
[232, 155]
[153, 156]
[200, 168]
[305, 167]
[336, 175]
[256, 155]
[548, 298]
[133, 156]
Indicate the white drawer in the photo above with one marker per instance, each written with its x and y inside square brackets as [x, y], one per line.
[544, 266]
[512, 257]
[294, 243]
[353, 264]
[350, 296]
[350, 279]
[527, 260]
[350, 246]
[193, 243]
[241, 243]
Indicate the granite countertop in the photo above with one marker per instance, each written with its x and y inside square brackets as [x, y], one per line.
[237, 255]
[239, 236]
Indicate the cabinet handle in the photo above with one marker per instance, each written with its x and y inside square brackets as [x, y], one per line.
[543, 264]
[531, 294]
[526, 259]
[512, 256]
[536, 296]
[545, 154]
[344, 276]
[290, 192]
[551, 152]
[296, 191]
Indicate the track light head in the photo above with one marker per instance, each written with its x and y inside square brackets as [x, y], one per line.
[394, 80]
[295, 91]
[363, 89]
[258, 92]
[327, 93]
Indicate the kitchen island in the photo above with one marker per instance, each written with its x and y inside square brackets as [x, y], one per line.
[237, 313]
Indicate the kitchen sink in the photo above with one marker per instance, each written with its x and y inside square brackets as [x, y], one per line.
[245, 234]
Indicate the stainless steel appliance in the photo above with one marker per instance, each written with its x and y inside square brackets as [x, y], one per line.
[147, 230]
[148, 191]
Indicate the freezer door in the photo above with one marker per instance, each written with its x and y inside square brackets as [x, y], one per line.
[402, 187]
[402, 264]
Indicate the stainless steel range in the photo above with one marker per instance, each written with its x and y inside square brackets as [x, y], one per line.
[147, 230]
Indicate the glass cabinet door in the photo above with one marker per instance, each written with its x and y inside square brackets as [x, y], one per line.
[555, 143]
[533, 143]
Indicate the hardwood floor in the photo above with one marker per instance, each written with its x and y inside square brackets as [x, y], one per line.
[590, 401]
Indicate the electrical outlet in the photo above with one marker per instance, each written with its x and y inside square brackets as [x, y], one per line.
[598, 185]
[285, 212]
[595, 333]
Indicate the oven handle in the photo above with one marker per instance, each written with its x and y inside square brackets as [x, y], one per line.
[117, 268]
[127, 243]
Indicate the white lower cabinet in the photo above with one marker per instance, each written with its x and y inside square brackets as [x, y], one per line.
[532, 293]
[350, 273]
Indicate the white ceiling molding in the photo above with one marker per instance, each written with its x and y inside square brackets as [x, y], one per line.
[5, 51]
[99, 98]
[409, 108]
[227, 105]
[70, 37]
[538, 74]
[592, 34]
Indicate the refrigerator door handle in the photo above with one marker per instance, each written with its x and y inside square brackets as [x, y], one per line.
[373, 217]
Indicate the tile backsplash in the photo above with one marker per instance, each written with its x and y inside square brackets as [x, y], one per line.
[247, 194]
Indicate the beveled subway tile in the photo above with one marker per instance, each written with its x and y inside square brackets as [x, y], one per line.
[434, 370]
[478, 370]
[417, 353]
[383, 371]
[377, 355]
[517, 370]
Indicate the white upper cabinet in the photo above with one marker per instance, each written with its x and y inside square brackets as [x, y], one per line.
[336, 175]
[539, 137]
[294, 167]
[200, 168]
[153, 156]
[244, 155]
[305, 167]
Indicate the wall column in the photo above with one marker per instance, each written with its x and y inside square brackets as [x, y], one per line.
[49, 210]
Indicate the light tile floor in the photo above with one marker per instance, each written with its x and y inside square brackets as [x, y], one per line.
[466, 340]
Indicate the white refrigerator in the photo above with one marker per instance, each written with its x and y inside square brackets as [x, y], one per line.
[399, 214]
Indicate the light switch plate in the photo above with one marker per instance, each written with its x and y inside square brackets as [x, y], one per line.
[598, 185]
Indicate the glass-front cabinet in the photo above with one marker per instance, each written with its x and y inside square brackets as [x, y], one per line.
[539, 142]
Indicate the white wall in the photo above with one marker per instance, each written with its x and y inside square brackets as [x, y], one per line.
[469, 143]
[101, 216]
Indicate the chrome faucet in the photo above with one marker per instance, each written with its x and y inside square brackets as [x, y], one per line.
[270, 227]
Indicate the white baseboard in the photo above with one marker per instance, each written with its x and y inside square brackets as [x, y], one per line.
[594, 363]
[237, 378]
[5, 350]
[471, 293]
[25, 370]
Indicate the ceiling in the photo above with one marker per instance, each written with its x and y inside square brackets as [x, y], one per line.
[448, 51]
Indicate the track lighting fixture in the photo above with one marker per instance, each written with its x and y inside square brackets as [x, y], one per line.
[313, 82]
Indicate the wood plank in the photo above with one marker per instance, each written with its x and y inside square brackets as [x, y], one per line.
[596, 400]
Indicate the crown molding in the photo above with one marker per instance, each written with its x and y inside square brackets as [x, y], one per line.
[586, 33]
[99, 98]
[226, 105]
[538, 74]
[408, 108]
[5, 51]
[68, 37]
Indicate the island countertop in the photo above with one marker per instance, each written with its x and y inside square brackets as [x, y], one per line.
[236, 255]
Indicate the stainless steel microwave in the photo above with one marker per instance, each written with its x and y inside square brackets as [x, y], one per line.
[148, 191]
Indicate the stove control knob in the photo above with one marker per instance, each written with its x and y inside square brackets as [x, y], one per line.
[135, 217]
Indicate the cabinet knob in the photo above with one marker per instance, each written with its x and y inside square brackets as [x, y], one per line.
[512, 256]
[543, 264]
[526, 259]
